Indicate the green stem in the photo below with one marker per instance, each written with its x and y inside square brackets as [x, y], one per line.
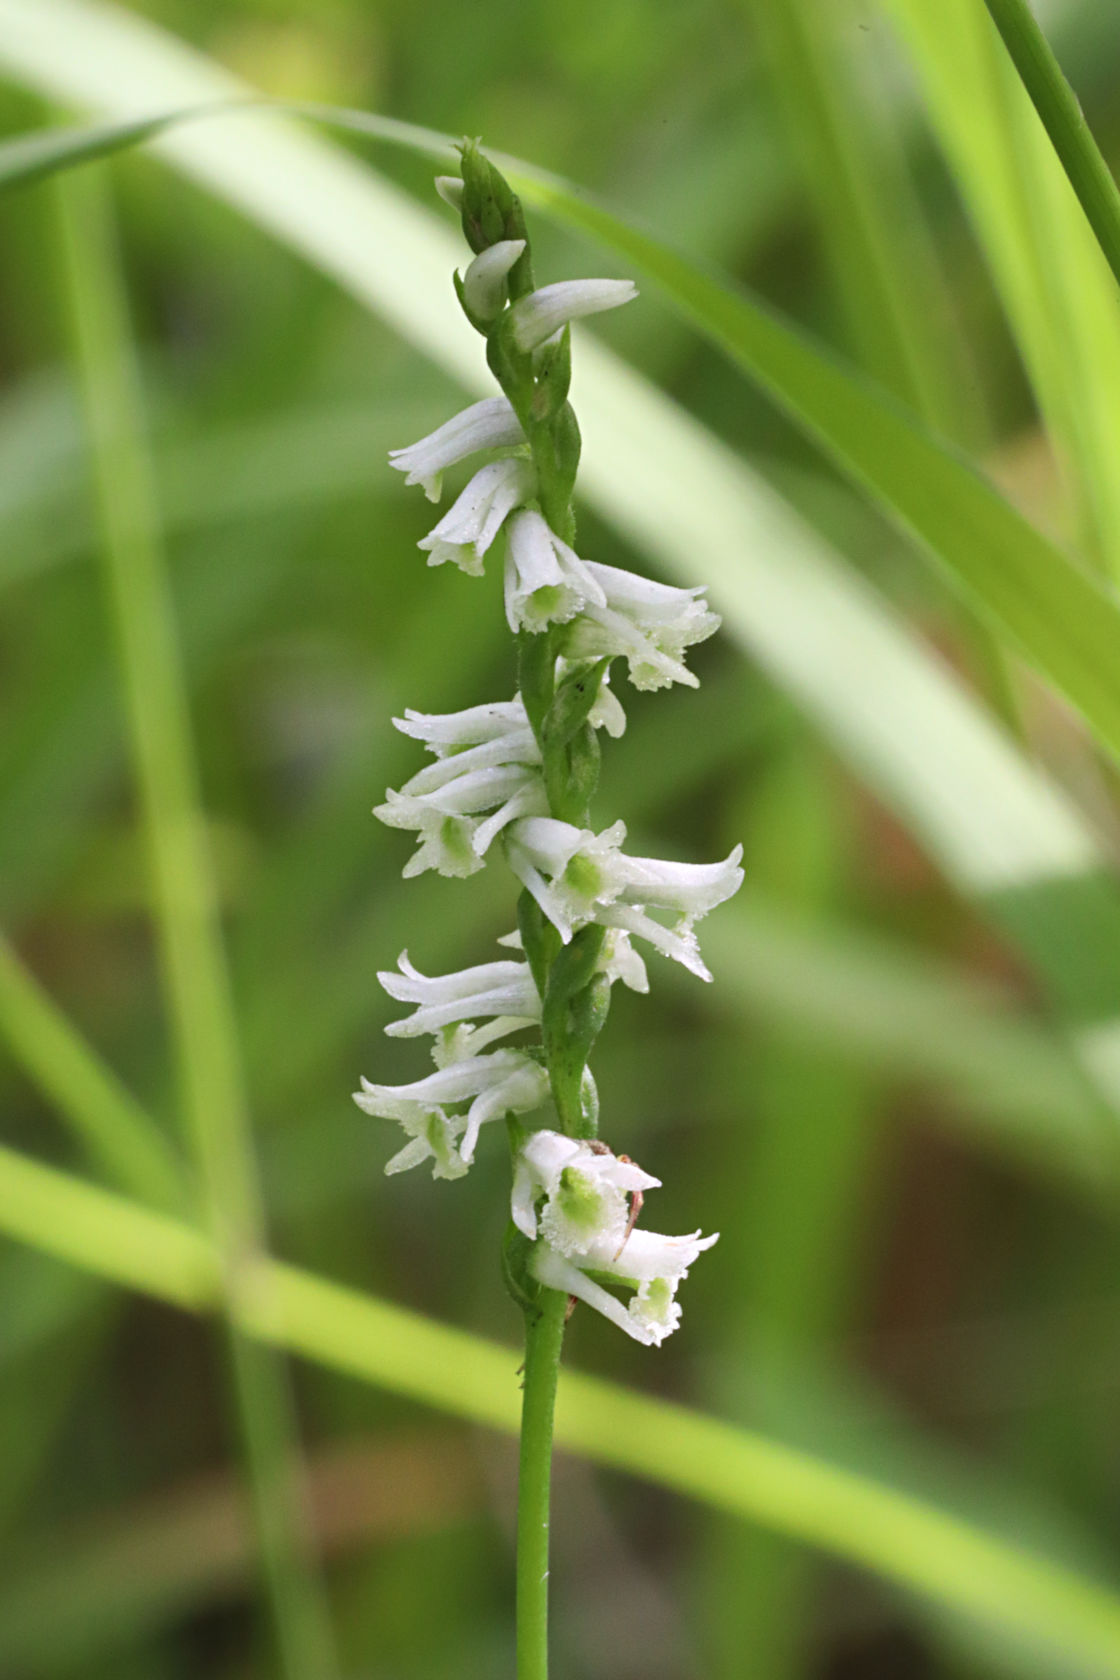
[185, 902]
[544, 1334]
[1064, 121]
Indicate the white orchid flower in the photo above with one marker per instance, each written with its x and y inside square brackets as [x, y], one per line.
[547, 310]
[490, 424]
[577, 876]
[546, 581]
[487, 760]
[484, 283]
[648, 623]
[469, 527]
[499, 1083]
[585, 1189]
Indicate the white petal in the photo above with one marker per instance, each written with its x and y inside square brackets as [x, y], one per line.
[450, 189]
[444, 732]
[682, 946]
[543, 312]
[692, 889]
[484, 283]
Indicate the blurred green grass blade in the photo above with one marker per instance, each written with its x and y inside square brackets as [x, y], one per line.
[34, 157]
[868, 220]
[185, 902]
[1012, 1590]
[1006, 1083]
[1060, 299]
[999, 829]
[107, 1119]
[1064, 121]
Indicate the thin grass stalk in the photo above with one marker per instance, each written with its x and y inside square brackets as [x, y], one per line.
[1064, 121]
[185, 902]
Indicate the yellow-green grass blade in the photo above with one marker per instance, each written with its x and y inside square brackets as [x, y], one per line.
[999, 829]
[1060, 299]
[109, 1123]
[911, 1543]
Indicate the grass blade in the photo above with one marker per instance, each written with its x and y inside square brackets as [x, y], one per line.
[1064, 121]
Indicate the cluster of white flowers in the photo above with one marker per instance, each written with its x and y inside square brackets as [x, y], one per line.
[573, 1200]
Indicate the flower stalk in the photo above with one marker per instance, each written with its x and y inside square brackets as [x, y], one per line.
[519, 777]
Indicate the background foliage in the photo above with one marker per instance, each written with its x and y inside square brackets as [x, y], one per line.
[899, 1100]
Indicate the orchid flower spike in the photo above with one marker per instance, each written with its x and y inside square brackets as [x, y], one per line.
[490, 424]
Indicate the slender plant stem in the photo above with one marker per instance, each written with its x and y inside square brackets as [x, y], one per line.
[544, 1334]
[195, 977]
[1064, 121]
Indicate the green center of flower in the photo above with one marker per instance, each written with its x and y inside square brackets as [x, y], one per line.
[583, 877]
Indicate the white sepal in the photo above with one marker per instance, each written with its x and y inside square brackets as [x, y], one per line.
[470, 525]
[546, 581]
[490, 424]
[484, 283]
[498, 1083]
[448, 732]
[545, 311]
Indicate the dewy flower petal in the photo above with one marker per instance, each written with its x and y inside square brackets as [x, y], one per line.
[449, 732]
[543, 312]
[484, 283]
[546, 581]
[498, 1083]
[490, 424]
[648, 623]
[469, 527]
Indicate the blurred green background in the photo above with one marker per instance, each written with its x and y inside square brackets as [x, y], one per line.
[917, 1274]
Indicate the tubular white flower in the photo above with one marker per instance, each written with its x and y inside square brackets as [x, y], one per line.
[484, 283]
[497, 988]
[546, 581]
[585, 1190]
[545, 311]
[487, 760]
[648, 623]
[577, 876]
[470, 525]
[490, 424]
[583, 1228]
[498, 1083]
